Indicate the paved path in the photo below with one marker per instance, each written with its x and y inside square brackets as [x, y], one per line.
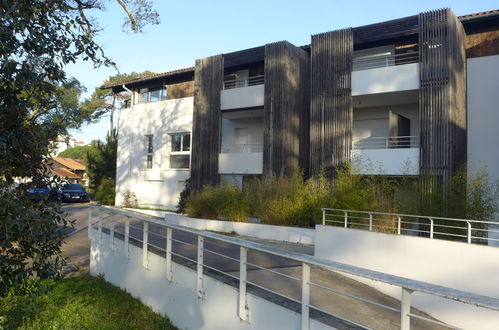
[77, 249]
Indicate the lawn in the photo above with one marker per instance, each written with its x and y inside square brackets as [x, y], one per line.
[78, 303]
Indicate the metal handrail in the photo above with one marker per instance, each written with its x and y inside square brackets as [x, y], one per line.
[380, 61]
[386, 142]
[241, 148]
[407, 286]
[352, 218]
[244, 82]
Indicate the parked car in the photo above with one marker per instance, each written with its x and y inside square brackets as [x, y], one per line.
[73, 192]
[38, 194]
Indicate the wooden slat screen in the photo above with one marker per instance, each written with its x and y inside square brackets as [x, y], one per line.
[331, 112]
[286, 123]
[442, 96]
[208, 79]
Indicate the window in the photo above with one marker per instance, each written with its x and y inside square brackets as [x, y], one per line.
[152, 95]
[144, 95]
[149, 151]
[180, 152]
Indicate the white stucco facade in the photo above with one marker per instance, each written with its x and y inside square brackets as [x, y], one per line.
[159, 186]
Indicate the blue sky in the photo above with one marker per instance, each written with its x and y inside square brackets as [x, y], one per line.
[192, 29]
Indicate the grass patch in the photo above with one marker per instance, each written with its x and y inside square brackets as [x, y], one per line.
[78, 303]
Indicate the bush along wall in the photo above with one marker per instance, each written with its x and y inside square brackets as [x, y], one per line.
[295, 201]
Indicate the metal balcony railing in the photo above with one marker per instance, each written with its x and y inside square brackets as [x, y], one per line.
[372, 62]
[466, 230]
[241, 148]
[244, 82]
[392, 142]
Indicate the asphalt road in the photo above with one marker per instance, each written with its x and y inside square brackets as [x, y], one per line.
[78, 246]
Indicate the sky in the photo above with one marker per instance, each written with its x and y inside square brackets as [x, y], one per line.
[192, 29]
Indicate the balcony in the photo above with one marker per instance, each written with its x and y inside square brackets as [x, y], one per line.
[385, 73]
[386, 155]
[242, 93]
[241, 159]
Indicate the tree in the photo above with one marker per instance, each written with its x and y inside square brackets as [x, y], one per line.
[79, 152]
[105, 101]
[38, 38]
[101, 168]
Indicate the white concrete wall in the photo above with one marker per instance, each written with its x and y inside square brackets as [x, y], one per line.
[240, 163]
[278, 233]
[402, 161]
[466, 267]
[483, 117]
[178, 299]
[243, 97]
[159, 186]
[386, 79]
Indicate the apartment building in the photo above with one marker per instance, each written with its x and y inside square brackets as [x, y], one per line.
[411, 96]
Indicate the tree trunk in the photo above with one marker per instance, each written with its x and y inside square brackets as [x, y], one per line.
[111, 115]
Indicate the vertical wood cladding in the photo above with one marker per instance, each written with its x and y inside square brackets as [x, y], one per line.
[331, 112]
[208, 79]
[442, 96]
[484, 43]
[286, 119]
[179, 90]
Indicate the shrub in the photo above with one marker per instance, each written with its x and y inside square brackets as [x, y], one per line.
[184, 195]
[105, 193]
[224, 202]
[129, 199]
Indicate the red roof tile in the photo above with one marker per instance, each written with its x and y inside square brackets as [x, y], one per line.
[74, 164]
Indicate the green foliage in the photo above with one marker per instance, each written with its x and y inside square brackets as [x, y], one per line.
[224, 202]
[184, 195]
[38, 103]
[106, 191]
[102, 165]
[78, 303]
[293, 201]
[79, 152]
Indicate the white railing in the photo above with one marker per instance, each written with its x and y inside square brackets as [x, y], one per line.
[470, 231]
[241, 148]
[392, 142]
[380, 61]
[119, 230]
[244, 82]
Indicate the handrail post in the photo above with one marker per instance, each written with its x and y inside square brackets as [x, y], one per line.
[199, 282]
[399, 225]
[469, 231]
[89, 220]
[370, 221]
[127, 238]
[324, 217]
[405, 309]
[431, 227]
[144, 244]
[305, 297]
[346, 219]
[100, 227]
[169, 274]
[243, 308]
[111, 231]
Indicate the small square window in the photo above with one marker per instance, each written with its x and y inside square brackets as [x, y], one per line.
[149, 162]
[149, 144]
[176, 142]
[179, 161]
[186, 142]
[155, 95]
